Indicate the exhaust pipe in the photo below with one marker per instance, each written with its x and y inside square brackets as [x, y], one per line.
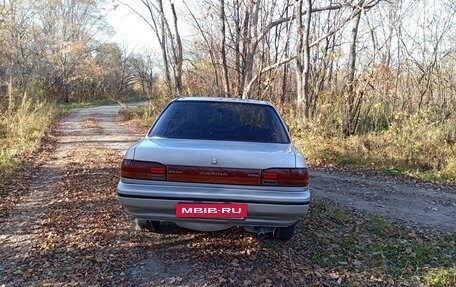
[261, 231]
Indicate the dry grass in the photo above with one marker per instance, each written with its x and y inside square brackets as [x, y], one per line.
[91, 123]
[143, 116]
[414, 145]
[21, 131]
[422, 153]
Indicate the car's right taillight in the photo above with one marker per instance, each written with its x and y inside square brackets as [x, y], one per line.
[285, 177]
[136, 169]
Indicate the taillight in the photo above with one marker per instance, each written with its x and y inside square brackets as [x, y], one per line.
[142, 170]
[285, 177]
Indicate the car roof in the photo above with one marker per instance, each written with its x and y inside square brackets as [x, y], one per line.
[223, 100]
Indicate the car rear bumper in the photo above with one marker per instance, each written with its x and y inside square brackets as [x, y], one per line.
[267, 206]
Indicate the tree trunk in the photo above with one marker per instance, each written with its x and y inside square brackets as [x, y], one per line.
[303, 57]
[250, 49]
[349, 111]
[299, 60]
[12, 57]
[10, 91]
[307, 59]
[210, 47]
[226, 87]
[178, 56]
[237, 49]
[163, 48]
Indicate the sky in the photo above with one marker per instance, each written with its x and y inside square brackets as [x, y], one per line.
[132, 31]
[129, 28]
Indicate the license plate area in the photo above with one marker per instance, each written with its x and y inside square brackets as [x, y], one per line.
[212, 210]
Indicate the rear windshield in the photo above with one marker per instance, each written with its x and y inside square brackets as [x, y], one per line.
[220, 121]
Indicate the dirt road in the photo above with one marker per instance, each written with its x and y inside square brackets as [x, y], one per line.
[36, 240]
[31, 193]
[412, 203]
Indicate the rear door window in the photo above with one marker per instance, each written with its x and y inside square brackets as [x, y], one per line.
[228, 121]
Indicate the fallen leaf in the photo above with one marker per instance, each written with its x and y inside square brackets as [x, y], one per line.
[109, 235]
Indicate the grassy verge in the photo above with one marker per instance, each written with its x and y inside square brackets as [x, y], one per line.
[143, 116]
[412, 145]
[68, 107]
[373, 251]
[64, 109]
[424, 155]
[22, 130]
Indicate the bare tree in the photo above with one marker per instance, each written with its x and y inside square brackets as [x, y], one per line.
[211, 49]
[226, 84]
[176, 51]
[351, 100]
[303, 56]
[15, 22]
[169, 41]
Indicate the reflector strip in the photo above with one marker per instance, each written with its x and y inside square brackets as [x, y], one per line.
[214, 175]
[269, 175]
[157, 170]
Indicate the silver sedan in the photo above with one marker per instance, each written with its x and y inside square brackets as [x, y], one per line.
[212, 163]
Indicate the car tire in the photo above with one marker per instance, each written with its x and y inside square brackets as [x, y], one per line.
[155, 224]
[150, 225]
[284, 233]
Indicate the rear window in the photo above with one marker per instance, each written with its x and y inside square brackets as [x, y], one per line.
[220, 121]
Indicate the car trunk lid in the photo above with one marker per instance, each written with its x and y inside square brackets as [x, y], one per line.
[215, 154]
[221, 162]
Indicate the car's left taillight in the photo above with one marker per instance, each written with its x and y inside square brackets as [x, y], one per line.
[136, 169]
[285, 177]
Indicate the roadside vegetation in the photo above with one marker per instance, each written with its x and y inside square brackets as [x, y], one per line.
[22, 127]
[54, 57]
[417, 145]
